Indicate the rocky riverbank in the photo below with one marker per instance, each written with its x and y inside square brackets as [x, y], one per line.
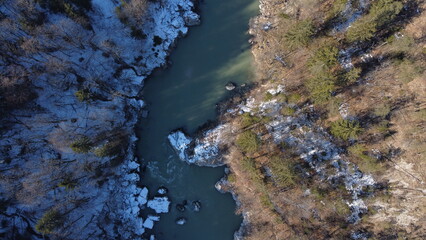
[70, 151]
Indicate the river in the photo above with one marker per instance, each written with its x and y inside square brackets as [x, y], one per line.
[184, 95]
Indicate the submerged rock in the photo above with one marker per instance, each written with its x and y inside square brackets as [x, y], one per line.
[181, 221]
[196, 206]
[180, 207]
[145, 113]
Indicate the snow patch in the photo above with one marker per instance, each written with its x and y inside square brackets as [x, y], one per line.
[179, 142]
[149, 222]
[277, 90]
[205, 150]
[159, 204]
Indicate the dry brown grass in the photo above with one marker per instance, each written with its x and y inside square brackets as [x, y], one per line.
[407, 99]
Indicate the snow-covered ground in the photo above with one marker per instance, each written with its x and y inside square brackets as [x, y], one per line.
[205, 151]
[107, 199]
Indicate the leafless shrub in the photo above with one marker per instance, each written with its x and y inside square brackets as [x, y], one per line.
[111, 47]
[133, 10]
[40, 180]
[56, 65]
[31, 45]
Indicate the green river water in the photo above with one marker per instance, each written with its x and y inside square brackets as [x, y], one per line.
[184, 95]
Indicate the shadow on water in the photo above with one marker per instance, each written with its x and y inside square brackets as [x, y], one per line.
[184, 95]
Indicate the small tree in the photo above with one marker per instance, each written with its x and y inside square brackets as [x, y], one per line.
[81, 145]
[282, 172]
[68, 183]
[336, 9]
[50, 221]
[352, 75]
[345, 129]
[248, 142]
[366, 163]
[268, 96]
[382, 110]
[381, 13]
[247, 120]
[361, 30]
[384, 11]
[287, 111]
[294, 98]
[109, 149]
[83, 95]
[402, 45]
[321, 87]
[299, 34]
[321, 93]
[325, 56]
[408, 71]
[249, 166]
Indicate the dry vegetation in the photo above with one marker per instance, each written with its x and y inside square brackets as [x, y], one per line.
[384, 96]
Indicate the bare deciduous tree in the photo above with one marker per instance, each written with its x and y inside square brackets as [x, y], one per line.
[41, 180]
[56, 65]
[134, 11]
[31, 45]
